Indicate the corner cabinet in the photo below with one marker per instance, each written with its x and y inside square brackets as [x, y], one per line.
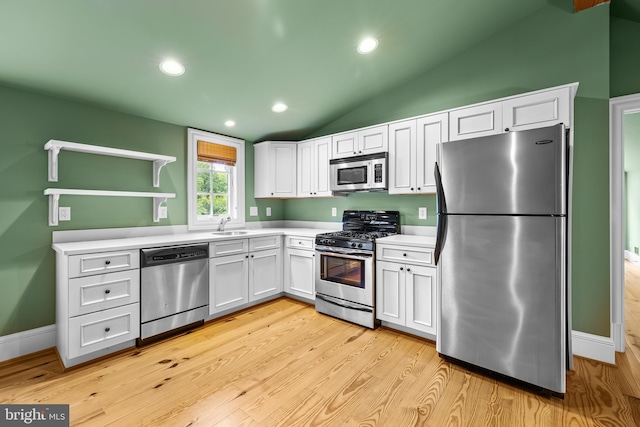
[412, 153]
[532, 110]
[275, 169]
[406, 286]
[54, 147]
[313, 168]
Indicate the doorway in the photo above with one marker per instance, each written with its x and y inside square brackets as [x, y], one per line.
[620, 107]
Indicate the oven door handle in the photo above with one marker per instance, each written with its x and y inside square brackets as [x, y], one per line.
[350, 307]
[345, 255]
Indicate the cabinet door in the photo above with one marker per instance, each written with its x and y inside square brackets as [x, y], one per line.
[265, 274]
[537, 110]
[402, 157]
[322, 155]
[430, 131]
[421, 298]
[305, 169]
[373, 140]
[344, 145]
[471, 122]
[228, 282]
[283, 174]
[390, 292]
[299, 273]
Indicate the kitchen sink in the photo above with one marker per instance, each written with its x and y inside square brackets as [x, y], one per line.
[230, 233]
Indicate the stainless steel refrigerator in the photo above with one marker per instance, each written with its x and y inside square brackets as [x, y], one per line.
[501, 254]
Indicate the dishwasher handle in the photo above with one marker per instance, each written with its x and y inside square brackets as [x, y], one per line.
[173, 254]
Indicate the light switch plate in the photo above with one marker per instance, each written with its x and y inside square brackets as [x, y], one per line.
[162, 212]
[422, 213]
[334, 211]
[64, 213]
[253, 211]
[268, 211]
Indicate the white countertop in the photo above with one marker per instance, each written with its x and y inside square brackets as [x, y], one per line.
[408, 240]
[72, 248]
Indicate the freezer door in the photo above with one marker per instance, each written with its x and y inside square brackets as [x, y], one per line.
[513, 173]
[503, 296]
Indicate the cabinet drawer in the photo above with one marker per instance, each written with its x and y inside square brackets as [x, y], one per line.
[412, 255]
[103, 291]
[97, 331]
[105, 262]
[264, 243]
[228, 247]
[300, 242]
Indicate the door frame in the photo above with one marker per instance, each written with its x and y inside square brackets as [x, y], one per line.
[618, 107]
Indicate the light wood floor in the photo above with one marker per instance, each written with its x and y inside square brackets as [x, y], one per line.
[283, 364]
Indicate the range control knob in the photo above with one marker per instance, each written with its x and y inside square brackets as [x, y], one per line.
[353, 245]
[333, 242]
[359, 245]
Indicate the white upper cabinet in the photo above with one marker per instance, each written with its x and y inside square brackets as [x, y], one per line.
[275, 169]
[313, 167]
[537, 110]
[366, 141]
[472, 122]
[412, 153]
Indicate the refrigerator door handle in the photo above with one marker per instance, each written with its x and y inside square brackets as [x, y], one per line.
[442, 215]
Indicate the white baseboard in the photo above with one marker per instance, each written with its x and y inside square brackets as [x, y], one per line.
[593, 347]
[23, 343]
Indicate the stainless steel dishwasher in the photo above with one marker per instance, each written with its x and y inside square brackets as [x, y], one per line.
[174, 290]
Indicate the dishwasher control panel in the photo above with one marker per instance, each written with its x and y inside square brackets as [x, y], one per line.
[167, 255]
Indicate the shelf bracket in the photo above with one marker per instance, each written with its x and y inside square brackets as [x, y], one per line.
[157, 166]
[54, 201]
[53, 163]
[157, 201]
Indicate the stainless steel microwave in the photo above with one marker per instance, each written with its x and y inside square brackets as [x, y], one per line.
[359, 173]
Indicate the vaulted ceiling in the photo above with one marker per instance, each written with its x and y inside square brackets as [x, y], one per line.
[240, 56]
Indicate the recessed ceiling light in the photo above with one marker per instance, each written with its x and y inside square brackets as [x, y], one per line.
[279, 107]
[367, 45]
[172, 68]
[229, 123]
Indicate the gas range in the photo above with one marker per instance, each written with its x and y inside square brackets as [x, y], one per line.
[361, 229]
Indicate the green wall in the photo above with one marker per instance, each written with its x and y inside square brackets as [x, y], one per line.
[522, 58]
[632, 180]
[625, 61]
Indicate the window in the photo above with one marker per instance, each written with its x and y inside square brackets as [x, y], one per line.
[215, 180]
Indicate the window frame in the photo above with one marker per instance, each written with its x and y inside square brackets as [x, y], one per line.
[193, 222]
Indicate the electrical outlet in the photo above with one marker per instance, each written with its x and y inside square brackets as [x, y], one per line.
[253, 211]
[422, 213]
[334, 211]
[64, 213]
[268, 211]
[162, 212]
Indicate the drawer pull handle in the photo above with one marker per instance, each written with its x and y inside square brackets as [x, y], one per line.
[107, 329]
[107, 291]
[107, 262]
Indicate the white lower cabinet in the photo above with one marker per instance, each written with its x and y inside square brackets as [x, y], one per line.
[300, 267]
[97, 304]
[253, 274]
[228, 282]
[406, 291]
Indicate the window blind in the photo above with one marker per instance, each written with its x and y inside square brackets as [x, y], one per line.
[216, 153]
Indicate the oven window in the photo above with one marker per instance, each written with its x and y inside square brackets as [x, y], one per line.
[354, 175]
[345, 271]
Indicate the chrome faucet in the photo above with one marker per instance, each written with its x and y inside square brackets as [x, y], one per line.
[223, 221]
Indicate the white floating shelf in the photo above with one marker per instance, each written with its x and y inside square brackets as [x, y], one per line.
[55, 193]
[54, 146]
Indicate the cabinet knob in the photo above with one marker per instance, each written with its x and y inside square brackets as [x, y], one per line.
[246, 256]
[355, 152]
[360, 152]
[404, 254]
[506, 129]
[107, 329]
[251, 256]
[411, 188]
[408, 270]
[401, 268]
[107, 262]
[107, 291]
[418, 188]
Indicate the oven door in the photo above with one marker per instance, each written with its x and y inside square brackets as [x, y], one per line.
[348, 276]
